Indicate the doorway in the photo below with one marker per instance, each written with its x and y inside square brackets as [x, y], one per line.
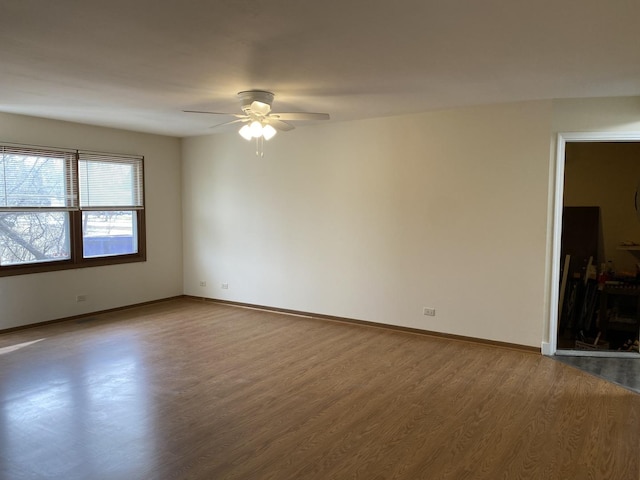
[596, 267]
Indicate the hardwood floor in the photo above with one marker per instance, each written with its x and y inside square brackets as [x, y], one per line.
[193, 390]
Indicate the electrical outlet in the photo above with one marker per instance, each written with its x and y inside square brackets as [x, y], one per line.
[203, 283]
[431, 312]
[224, 286]
[81, 298]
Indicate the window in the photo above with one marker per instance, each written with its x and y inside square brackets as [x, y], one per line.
[68, 209]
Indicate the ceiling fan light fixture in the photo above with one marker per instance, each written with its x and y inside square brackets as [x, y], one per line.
[245, 132]
[256, 129]
[268, 132]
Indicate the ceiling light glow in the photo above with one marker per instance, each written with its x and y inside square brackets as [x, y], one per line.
[245, 132]
[256, 129]
[268, 132]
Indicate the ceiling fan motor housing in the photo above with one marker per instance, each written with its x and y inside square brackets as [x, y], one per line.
[249, 96]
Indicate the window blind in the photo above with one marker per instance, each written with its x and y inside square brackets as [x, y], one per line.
[36, 178]
[110, 182]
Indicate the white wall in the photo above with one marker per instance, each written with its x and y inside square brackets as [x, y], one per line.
[613, 114]
[376, 219]
[27, 299]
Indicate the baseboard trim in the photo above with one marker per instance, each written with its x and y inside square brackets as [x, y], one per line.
[353, 321]
[86, 315]
[416, 331]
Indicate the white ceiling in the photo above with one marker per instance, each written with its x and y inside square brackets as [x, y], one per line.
[136, 64]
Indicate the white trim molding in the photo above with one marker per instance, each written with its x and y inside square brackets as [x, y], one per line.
[552, 347]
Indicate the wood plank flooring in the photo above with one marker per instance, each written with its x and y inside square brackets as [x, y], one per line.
[192, 390]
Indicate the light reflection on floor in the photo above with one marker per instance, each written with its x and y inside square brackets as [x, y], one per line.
[13, 348]
[73, 413]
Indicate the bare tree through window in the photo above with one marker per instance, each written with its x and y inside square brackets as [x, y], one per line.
[40, 232]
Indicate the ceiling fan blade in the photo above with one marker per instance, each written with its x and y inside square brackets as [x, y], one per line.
[238, 120]
[260, 108]
[300, 116]
[237, 115]
[279, 124]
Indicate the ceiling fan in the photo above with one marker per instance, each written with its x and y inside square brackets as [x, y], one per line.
[258, 119]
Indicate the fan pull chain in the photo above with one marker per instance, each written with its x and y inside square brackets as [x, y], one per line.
[260, 147]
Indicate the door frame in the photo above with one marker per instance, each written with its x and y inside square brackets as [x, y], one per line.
[562, 140]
